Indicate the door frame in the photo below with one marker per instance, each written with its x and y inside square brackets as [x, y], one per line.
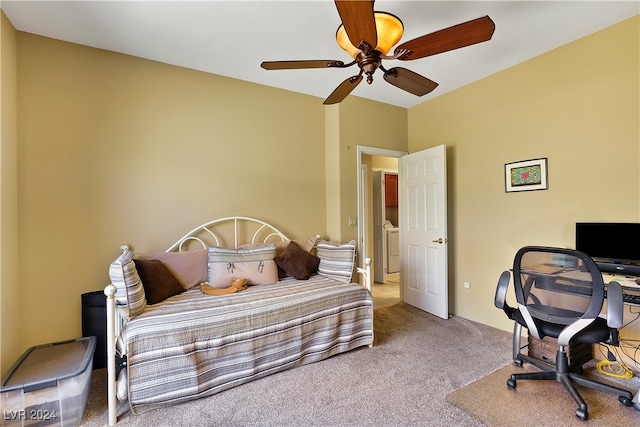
[363, 223]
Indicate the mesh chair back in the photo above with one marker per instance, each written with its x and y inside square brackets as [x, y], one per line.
[557, 285]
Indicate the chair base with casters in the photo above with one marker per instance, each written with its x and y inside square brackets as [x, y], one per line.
[564, 373]
[591, 330]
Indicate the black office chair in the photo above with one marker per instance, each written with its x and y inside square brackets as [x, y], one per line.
[560, 294]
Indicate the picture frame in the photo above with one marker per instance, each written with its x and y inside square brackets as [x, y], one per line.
[526, 175]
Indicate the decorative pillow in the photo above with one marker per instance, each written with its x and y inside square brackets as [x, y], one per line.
[307, 244]
[129, 290]
[189, 267]
[297, 262]
[256, 264]
[336, 260]
[158, 282]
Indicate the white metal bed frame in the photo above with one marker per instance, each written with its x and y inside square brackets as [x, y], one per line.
[207, 230]
[206, 236]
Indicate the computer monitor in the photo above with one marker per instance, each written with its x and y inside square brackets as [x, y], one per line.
[614, 246]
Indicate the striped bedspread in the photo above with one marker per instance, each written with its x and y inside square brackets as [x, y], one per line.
[194, 345]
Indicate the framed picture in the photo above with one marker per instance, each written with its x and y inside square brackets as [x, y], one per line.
[526, 175]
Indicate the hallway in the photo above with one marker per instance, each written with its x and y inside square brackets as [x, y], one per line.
[386, 294]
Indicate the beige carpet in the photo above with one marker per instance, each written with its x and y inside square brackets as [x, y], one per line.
[409, 378]
[540, 403]
[402, 381]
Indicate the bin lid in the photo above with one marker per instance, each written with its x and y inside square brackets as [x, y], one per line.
[44, 365]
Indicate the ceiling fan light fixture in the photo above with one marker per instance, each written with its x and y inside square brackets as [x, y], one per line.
[388, 27]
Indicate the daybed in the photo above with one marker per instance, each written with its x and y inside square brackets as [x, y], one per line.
[181, 343]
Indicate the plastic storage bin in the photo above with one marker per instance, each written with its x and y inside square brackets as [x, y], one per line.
[49, 385]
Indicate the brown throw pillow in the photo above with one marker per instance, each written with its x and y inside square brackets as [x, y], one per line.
[297, 262]
[158, 282]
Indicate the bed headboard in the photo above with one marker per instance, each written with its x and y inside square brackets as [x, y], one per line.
[229, 232]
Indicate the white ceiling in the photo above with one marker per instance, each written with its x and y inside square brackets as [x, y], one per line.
[232, 38]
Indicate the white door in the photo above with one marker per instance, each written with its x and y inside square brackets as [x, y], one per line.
[380, 261]
[423, 230]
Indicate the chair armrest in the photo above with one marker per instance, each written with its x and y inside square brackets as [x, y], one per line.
[501, 290]
[500, 300]
[615, 305]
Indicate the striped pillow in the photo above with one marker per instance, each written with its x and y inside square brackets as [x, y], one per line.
[129, 290]
[336, 260]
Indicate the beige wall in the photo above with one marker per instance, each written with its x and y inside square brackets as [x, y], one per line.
[332, 170]
[116, 149]
[352, 123]
[388, 164]
[9, 289]
[578, 106]
[370, 124]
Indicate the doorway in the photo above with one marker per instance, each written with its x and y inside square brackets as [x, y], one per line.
[422, 209]
[378, 222]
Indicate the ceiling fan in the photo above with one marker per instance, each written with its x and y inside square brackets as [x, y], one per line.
[368, 36]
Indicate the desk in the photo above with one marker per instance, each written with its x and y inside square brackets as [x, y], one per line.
[631, 296]
[630, 289]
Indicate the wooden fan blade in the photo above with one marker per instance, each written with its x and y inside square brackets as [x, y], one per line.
[294, 65]
[343, 90]
[461, 35]
[359, 21]
[408, 80]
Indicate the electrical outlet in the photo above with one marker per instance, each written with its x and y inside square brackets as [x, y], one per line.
[467, 286]
[353, 221]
